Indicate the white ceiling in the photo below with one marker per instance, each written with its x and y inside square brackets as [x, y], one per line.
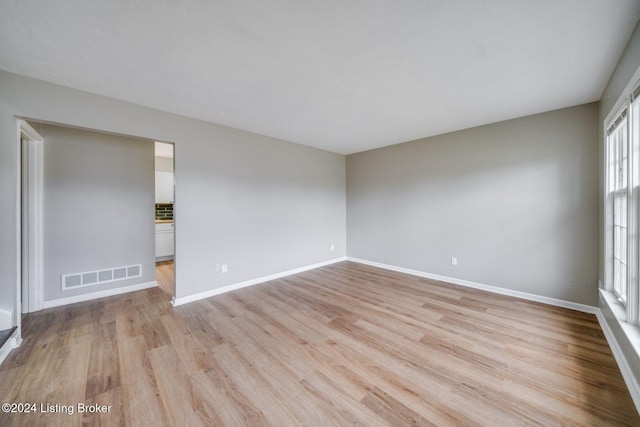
[345, 76]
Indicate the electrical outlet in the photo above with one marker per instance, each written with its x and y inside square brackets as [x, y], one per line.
[454, 261]
[333, 247]
[224, 268]
[217, 268]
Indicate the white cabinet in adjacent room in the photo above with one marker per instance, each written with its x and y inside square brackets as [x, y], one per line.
[164, 187]
[164, 241]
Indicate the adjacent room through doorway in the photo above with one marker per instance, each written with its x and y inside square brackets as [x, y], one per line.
[164, 216]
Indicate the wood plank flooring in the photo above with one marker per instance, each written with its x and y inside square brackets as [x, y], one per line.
[165, 276]
[346, 344]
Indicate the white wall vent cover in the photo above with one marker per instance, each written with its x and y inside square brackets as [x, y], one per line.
[98, 277]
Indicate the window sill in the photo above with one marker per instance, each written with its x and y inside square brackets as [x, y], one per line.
[632, 332]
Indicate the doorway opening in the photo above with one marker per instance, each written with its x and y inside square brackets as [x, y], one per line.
[31, 151]
[94, 192]
[165, 216]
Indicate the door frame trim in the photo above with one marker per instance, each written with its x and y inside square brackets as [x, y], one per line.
[31, 143]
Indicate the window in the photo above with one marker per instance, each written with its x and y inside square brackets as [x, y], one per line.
[618, 187]
[623, 206]
[633, 291]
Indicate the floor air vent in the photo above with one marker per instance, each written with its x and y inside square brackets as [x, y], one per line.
[89, 278]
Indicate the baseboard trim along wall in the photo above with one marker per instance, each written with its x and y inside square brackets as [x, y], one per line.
[100, 294]
[630, 380]
[203, 295]
[495, 289]
[10, 344]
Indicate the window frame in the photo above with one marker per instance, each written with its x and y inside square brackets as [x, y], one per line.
[625, 121]
[617, 191]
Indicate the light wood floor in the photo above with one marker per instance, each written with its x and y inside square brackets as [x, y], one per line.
[345, 344]
[165, 276]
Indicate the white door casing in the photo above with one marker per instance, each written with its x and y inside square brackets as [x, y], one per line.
[31, 286]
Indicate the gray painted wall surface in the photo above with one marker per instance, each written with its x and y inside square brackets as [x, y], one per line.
[516, 202]
[258, 204]
[627, 65]
[98, 205]
[624, 71]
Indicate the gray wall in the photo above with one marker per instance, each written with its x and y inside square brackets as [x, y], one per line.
[627, 66]
[258, 204]
[98, 207]
[516, 202]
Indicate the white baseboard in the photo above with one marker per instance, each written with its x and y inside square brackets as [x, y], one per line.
[6, 320]
[623, 364]
[13, 342]
[207, 294]
[495, 289]
[100, 294]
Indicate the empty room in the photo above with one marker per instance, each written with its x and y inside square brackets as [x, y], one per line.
[297, 213]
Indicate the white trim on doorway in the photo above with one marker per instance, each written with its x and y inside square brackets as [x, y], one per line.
[31, 287]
